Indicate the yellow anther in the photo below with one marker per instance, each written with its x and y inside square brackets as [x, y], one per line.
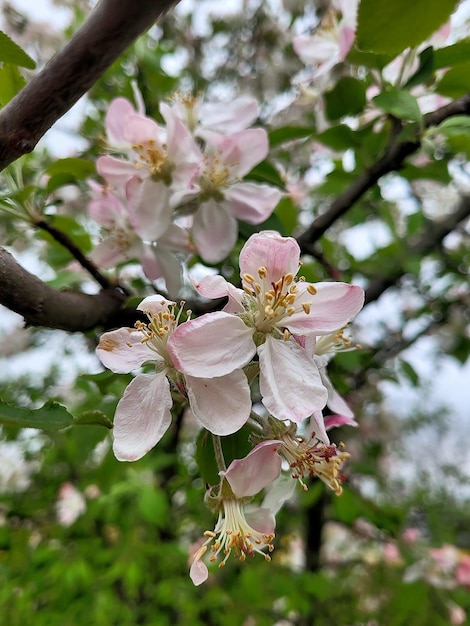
[291, 310]
[288, 278]
[248, 278]
[286, 335]
[269, 311]
[262, 272]
[306, 307]
[311, 289]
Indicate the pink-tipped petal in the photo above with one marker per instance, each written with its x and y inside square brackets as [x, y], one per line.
[212, 345]
[335, 421]
[115, 121]
[229, 117]
[122, 350]
[332, 307]
[198, 572]
[149, 208]
[260, 467]
[252, 203]
[290, 383]
[222, 405]
[243, 150]
[279, 255]
[142, 416]
[317, 427]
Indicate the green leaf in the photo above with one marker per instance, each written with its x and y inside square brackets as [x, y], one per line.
[455, 82]
[11, 82]
[452, 55]
[389, 27]
[234, 446]
[51, 416]
[79, 168]
[10, 52]
[278, 136]
[93, 418]
[348, 97]
[399, 103]
[409, 371]
[339, 137]
[287, 214]
[368, 59]
[264, 172]
[425, 69]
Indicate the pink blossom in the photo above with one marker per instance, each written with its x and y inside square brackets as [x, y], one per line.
[261, 318]
[332, 40]
[222, 117]
[130, 234]
[70, 504]
[239, 531]
[165, 159]
[462, 572]
[224, 198]
[221, 404]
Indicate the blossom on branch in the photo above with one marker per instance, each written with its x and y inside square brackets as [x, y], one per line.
[264, 318]
[222, 403]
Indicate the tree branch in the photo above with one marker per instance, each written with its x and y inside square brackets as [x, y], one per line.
[426, 243]
[392, 159]
[111, 27]
[40, 305]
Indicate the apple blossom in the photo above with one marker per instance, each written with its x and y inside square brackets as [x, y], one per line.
[128, 236]
[265, 317]
[332, 40]
[221, 117]
[221, 404]
[244, 533]
[222, 196]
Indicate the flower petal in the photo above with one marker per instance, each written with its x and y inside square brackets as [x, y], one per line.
[251, 202]
[198, 572]
[289, 381]
[222, 404]
[142, 416]
[214, 231]
[229, 117]
[279, 255]
[115, 121]
[122, 350]
[149, 208]
[212, 345]
[332, 307]
[217, 287]
[260, 467]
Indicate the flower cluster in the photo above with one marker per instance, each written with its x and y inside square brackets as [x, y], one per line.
[175, 188]
[276, 330]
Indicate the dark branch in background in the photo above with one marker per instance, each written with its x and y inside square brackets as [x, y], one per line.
[430, 240]
[68, 244]
[111, 28]
[392, 159]
[40, 305]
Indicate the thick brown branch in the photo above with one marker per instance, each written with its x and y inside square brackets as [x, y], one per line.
[392, 159]
[430, 240]
[40, 305]
[111, 27]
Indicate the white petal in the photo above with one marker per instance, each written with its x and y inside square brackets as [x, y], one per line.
[122, 350]
[214, 231]
[142, 416]
[290, 383]
[198, 572]
[251, 202]
[211, 345]
[222, 405]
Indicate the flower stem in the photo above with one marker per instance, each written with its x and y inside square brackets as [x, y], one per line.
[219, 453]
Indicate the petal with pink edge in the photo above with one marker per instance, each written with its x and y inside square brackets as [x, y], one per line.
[115, 121]
[252, 203]
[198, 572]
[149, 208]
[122, 350]
[212, 345]
[260, 467]
[334, 421]
[332, 307]
[229, 117]
[142, 416]
[222, 405]
[289, 380]
[243, 150]
[218, 287]
[317, 428]
[279, 255]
